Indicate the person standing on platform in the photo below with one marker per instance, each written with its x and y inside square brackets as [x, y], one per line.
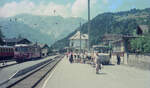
[92, 59]
[98, 63]
[81, 57]
[75, 57]
[78, 57]
[71, 58]
[118, 59]
[84, 58]
[67, 55]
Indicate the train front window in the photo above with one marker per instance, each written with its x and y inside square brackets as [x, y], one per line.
[101, 49]
[17, 49]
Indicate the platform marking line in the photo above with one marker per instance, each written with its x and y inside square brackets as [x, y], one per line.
[13, 75]
[50, 76]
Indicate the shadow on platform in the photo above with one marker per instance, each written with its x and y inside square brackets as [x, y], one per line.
[101, 73]
[109, 64]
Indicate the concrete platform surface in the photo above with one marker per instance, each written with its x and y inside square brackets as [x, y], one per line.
[77, 75]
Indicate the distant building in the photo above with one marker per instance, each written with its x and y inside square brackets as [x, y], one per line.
[44, 50]
[122, 47]
[142, 29]
[116, 41]
[121, 43]
[75, 41]
[13, 41]
[107, 39]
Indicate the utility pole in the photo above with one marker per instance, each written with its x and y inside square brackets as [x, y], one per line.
[80, 37]
[89, 24]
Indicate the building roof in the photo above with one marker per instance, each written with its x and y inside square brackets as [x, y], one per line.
[112, 37]
[14, 39]
[77, 36]
[43, 46]
[143, 28]
[5, 46]
[18, 45]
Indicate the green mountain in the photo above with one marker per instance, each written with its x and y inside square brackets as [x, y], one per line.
[124, 22]
[43, 29]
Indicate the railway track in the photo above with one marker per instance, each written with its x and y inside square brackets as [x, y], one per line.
[8, 65]
[32, 79]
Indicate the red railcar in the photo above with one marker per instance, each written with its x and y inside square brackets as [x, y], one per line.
[6, 53]
[26, 52]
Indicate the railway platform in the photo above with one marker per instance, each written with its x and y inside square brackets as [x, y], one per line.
[4, 63]
[77, 75]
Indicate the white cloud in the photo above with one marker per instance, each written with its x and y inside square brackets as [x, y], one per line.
[80, 6]
[50, 8]
[77, 9]
[13, 8]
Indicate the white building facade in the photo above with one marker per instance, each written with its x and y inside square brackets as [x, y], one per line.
[76, 39]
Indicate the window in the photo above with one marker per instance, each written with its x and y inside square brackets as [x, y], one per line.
[4, 50]
[0, 49]
[17, 49]
[8, 50]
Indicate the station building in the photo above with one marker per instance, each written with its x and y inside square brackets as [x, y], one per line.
[44, 50]
[121, 43]
[78, 39]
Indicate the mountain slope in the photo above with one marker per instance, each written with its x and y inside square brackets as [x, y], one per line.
[44, 29]
[115, 23]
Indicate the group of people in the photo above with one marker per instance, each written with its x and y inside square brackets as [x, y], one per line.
[91, 58]
[77, 57]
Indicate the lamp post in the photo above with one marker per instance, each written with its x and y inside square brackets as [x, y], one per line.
[89, 24]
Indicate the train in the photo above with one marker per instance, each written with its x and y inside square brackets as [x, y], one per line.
[6, 52]
[20, 52]
[24, 52]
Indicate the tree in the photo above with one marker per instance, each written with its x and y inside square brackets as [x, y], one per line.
[146, 46]
[141, 44]
[1, 36]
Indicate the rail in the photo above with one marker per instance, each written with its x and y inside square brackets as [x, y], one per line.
[32, 79]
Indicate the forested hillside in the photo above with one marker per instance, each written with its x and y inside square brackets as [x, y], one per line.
[115, 23]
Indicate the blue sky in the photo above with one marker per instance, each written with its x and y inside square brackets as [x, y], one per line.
[67, 8]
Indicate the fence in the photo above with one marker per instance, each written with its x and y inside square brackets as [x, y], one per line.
[136, 60]
[139, 60]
